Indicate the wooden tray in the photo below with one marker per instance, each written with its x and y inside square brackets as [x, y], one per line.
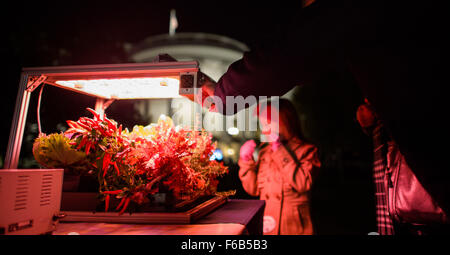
[183, 217]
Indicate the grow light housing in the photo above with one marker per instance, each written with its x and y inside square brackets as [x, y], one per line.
[104, 82]
[126, 88]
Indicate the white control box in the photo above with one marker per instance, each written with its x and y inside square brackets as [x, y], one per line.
[29, 200]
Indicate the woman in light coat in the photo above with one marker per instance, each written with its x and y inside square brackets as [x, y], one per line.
[283, 173]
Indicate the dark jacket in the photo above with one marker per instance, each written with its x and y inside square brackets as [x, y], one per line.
[395, 51]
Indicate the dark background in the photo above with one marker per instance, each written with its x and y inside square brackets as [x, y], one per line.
[81, 33]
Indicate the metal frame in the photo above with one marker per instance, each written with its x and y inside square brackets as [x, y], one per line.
[31, 78]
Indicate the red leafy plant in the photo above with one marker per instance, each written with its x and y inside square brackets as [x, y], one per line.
[179, 156]
[133, 165]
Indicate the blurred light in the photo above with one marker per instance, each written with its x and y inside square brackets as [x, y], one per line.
[217, 155]
[233, 131]
[230, 151]
[127, 88]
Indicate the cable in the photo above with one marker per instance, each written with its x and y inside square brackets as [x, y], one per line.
[39, 109]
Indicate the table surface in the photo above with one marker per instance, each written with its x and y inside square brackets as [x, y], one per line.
[83, 228]
[232, 218]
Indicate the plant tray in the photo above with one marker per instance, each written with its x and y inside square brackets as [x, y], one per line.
[84, 207]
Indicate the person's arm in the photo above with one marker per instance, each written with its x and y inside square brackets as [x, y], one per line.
[309, 46]
[248, 168]
[256, 74]
[248, 174]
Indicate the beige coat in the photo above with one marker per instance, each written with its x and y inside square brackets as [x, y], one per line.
[284, 183]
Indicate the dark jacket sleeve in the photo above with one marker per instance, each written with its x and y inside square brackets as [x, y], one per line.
[297, 55]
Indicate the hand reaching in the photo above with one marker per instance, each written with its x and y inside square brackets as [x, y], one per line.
[206, 87]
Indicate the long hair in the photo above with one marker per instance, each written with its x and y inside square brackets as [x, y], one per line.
[288, 115]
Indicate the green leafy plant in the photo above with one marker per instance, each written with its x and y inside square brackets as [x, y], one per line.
[55, 151]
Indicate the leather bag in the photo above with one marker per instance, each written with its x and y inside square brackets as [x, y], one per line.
[408, 201]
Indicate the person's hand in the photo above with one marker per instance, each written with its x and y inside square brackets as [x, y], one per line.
[365, 116]
[206, 93]
[204, 82]
[205, 88]
[247, 149]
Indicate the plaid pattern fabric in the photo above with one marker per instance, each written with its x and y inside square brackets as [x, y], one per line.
[384, 221]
